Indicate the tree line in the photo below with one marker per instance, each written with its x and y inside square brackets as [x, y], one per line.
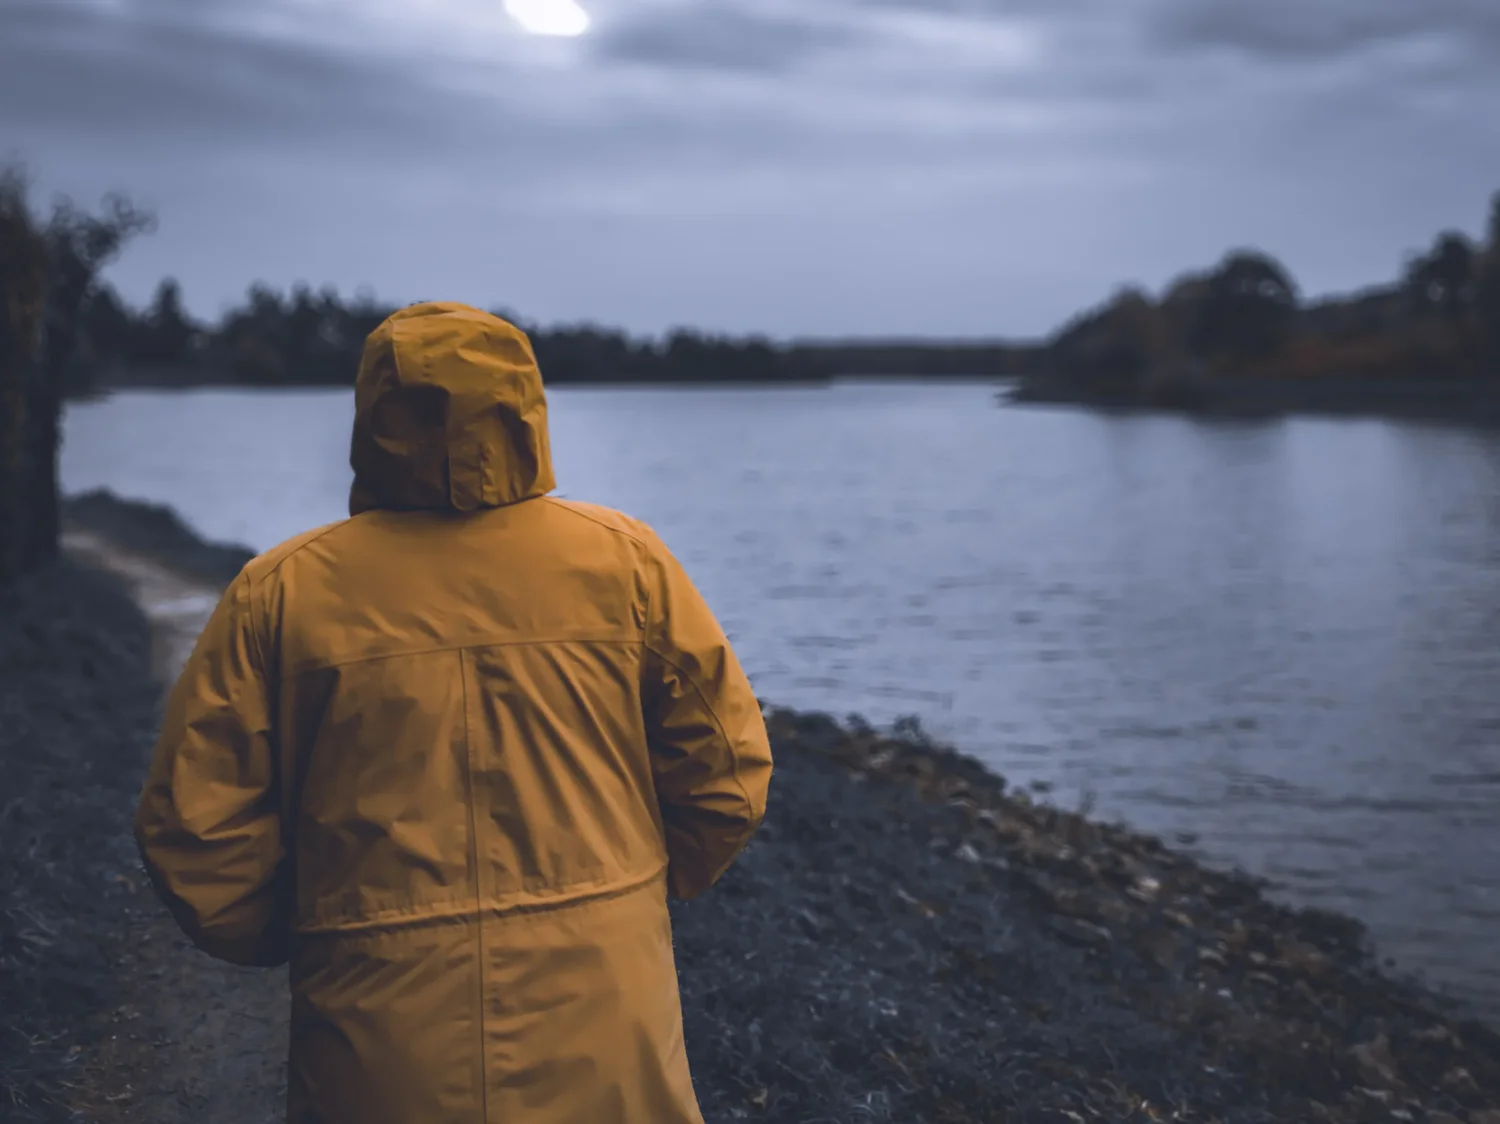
[1244, 318]
[314, 338]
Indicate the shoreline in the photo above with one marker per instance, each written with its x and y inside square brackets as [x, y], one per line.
[960, 952]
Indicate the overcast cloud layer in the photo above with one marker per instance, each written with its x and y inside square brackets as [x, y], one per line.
[798, 167]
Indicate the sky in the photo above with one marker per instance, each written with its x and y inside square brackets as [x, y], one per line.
[798, 168]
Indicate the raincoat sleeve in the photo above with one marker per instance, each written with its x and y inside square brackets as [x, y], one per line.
[208, 822]
[710, 756]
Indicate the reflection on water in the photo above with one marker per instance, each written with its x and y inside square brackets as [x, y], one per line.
[1281, 638]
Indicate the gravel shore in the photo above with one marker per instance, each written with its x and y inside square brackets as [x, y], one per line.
[77, 708]
[905, 940]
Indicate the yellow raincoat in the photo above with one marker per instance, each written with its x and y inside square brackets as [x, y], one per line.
[449, 756]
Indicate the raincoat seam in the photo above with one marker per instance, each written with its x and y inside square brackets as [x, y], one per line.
[621, 531]
[466, 646]
[484, 1076]
[645, 634]
[298, 549]
[253, 623]
[399, 920]
[734, 757]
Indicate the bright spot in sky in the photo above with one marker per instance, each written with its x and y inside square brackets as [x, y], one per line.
[548, 17]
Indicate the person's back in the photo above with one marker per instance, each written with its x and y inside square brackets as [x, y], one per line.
[449, 755]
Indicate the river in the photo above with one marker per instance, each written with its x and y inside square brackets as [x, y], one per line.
[1274, 642]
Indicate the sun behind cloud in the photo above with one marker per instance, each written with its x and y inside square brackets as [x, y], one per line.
[549, 17]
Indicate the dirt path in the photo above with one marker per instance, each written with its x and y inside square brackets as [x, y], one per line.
[177, 607]
[198, 1041]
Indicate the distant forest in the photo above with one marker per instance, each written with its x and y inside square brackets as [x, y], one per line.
[1243, 319]
[1244, 323]
[314, 338]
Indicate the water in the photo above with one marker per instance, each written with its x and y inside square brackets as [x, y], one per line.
[1275, 641]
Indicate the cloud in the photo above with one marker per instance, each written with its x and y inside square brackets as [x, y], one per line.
[1297, 30]
[722, 36]
[695, 78]
[1039, 148]
[694, 94]
[128, 76]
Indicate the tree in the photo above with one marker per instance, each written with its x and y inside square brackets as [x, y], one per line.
[169, 333]
[1115, 349]
[48, 275]
[107, 331]
[79, 246]
[1443, 279]
[1244, 309]
[1487, 295]
[250, 336]
[23, 295]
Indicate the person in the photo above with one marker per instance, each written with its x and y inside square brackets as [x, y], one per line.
[449, 757]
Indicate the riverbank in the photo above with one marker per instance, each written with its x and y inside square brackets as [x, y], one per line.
[905, 940]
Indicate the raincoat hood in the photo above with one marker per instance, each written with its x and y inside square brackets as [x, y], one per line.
[449, 414]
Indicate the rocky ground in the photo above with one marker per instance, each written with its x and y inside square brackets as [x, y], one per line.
[77, 704]
[962, 954]
[904, 941]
